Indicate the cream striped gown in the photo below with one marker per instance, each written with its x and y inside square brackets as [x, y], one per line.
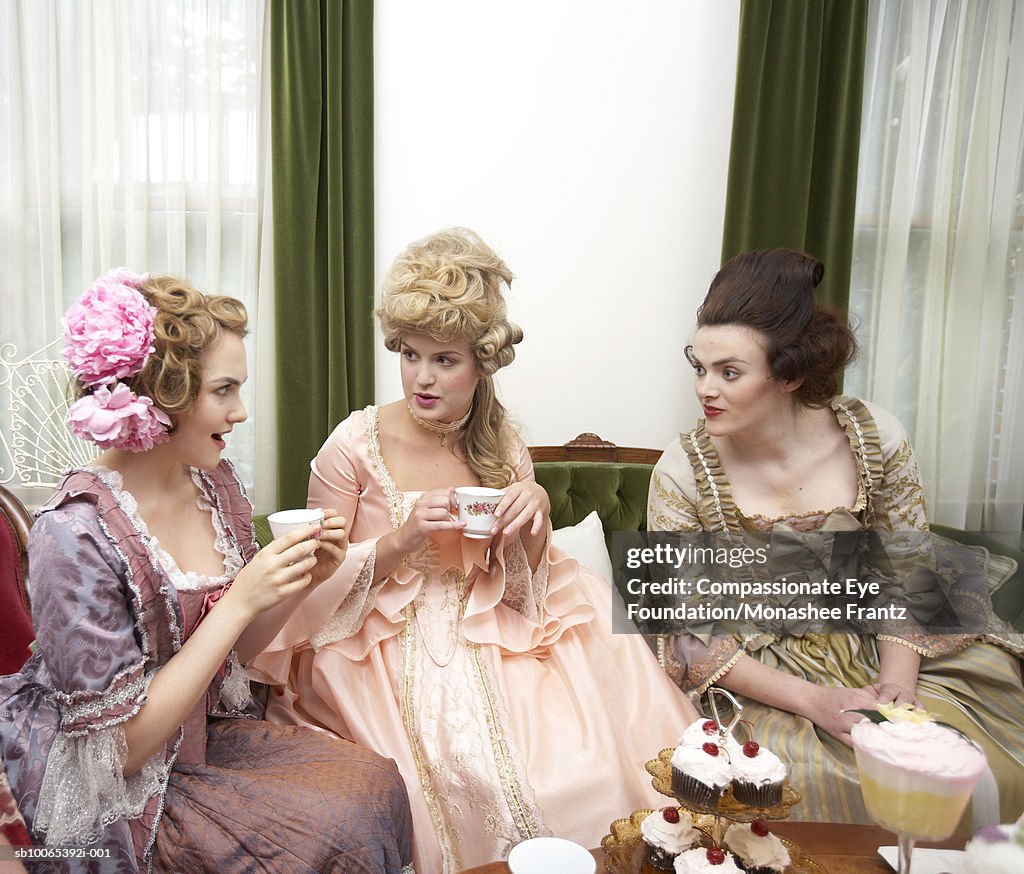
[972, 682]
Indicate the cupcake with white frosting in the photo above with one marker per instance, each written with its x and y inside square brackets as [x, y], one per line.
[757, 775]
[759, 851]
[705, 860]
[700, 775]
[667, 833]
[703, 730]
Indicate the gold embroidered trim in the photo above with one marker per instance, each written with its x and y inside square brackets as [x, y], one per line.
[526, 821]
[721, 672]
[920, 650]
[387, 482]
[449, 858]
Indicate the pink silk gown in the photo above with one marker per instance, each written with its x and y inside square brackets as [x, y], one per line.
[510, 707]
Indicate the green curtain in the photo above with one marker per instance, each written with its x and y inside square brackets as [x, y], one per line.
[796, 132]
[321, 92]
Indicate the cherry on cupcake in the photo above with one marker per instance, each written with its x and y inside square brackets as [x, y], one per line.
[716, 856]
[750, 749]
[760, 828]
[671, 814]
[709, 726]
[710, 748]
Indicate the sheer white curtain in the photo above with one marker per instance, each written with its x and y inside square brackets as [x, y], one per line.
[938, 279]
[136, 133]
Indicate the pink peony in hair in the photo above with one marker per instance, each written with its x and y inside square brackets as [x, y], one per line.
[123, 276]
[119, 420]
[109, 332]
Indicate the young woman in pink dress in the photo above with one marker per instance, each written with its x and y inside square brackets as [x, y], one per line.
[486, 668]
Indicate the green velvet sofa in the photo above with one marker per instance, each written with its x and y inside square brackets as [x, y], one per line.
[591, 474]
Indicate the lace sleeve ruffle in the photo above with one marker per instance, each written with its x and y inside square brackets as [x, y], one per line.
[353, 610]
[525, 588]
[349, 612]
[84, 789]
[521, 610]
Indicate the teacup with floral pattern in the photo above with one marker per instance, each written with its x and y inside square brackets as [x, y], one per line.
[476, 508]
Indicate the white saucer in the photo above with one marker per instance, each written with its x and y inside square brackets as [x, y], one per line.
[544, 855]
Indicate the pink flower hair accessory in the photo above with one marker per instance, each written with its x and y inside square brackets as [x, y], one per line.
[108, 333]
[119, 419]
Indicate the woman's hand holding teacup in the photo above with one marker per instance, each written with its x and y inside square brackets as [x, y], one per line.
[524, 503]
[333, 538]
[281, 569]
[431, 514]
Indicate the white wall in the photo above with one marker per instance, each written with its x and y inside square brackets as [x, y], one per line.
[588, 143]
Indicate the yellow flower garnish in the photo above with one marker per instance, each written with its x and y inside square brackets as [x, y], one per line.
[905, 712]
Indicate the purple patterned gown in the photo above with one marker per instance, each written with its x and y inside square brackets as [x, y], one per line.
[228, 792]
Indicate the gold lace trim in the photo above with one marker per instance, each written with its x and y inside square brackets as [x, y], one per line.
[721, 672]
[387, 482]
[408, 643]
[920, 650]
[521, 803]
[448, 855]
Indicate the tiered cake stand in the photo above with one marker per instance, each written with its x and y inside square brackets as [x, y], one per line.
[624, 845]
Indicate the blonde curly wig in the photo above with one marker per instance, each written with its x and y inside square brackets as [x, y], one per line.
[186, 324]
[449, 286]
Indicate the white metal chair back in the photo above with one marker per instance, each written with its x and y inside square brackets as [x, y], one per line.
[38, 446]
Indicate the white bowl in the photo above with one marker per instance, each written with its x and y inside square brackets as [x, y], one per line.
[550, 856]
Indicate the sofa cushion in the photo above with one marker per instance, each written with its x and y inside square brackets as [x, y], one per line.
[1008, 597]
[618, 492]
[584, 541]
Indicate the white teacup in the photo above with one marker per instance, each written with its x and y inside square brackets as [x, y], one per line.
[476, 508]
[547, 855]
[284, 521]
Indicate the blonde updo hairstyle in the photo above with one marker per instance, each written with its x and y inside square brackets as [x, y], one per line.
[449, 286]
[186, 324]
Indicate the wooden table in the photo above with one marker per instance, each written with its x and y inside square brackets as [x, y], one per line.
[840, 848]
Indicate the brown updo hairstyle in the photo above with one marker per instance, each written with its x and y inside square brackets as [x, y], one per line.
[449, 286]
[186, 324]
[771, 291]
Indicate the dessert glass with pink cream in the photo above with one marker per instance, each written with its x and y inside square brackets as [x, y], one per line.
[916, 776]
